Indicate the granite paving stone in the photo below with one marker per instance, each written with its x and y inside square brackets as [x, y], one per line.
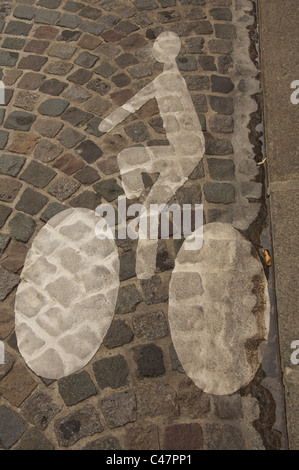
[24, 12]
[221, 123]
[15, 256]
[69, 164]
[76, 117]
[18, 28]
[81, 423]
[62, 50]
[90, 152]
[46, 16]
[118, 334]
[51, 4]
[128, 299]
[151, 325]
[70, 137]
[221, 14]
[183, 437]
[221, 169]
[63, 187]
[52, 209]
[59, 68]
[221, 84]
[9, 362]
[31, 81]
[142, 436]
[223, 436]
[8, 282]
[111, 372]
[76, 93]
[31, 202]
[99, 86]
[9, 188]
[37, 174]
[149, 360]
[88, 41]
[193, 402]
[221, 104]
[92, 27]
[127, 268]
[5, 212]
[90, 12]
[16, 386]
[80, 76]
[19, 120]
[11, 164]
[46, 32]
[47, 127]
[68, 21]
[32, 62]
[34, 440]
[87, 175]
[53, 107]
[53, 87]
[36, 46]
[12, 426]
[158, 399]
[21, 227]
[8, 58]
[26, 100]
[219, 193]
[4, 241]
[69, 35]
[76, 388]
[40, 409]
[119, 408]
[87, 60]
[3, 139]
[87, 199]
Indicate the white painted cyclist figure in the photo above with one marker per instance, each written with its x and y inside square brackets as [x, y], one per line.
[175, 161]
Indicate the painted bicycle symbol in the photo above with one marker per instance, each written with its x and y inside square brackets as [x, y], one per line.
[66, 300]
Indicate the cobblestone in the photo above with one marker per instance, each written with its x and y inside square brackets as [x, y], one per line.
[53, 107]
[34, 440]
[12, 426]
[37, 174]
[149, 360]
[8, 282]
[129, 298]
[111, 372]
[76, 388]
[119, 409]
[118, 334]
[21, 227]
[81, 423]
[11, 164]
[152, 325]
[39, 410]
[5, 212]
[31, 202]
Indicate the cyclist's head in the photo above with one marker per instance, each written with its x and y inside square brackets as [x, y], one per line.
[166, 47]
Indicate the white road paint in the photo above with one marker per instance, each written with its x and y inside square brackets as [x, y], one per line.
[174, 162]
[219, 310]
[65, 302]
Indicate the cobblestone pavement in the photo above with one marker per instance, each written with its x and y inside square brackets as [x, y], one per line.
[65, 65]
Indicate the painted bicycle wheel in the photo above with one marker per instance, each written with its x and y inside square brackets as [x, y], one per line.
[66, 299]
[219, 310]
